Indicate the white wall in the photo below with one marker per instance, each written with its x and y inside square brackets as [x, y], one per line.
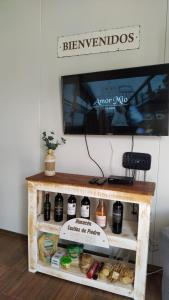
[29, 74]
[19, 107]
[73, 17]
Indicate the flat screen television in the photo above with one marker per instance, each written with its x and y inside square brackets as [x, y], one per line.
[132, 101]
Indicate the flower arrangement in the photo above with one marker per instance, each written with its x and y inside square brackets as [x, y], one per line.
[50, 142]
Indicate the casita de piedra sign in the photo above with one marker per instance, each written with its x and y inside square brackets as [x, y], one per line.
[127, 38]
[85, 232]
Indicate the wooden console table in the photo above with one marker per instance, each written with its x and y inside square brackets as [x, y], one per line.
[140, 193]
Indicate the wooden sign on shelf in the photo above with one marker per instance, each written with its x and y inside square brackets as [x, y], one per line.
[84, 232]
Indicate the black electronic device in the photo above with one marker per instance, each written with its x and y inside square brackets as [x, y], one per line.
[136, 161]
[101, 181]
[93, 180]
[113, 179]
[133, 101]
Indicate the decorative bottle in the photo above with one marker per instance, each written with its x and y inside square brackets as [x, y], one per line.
[117, 217]
[85, 208]
[50, 163]
[101, 214]
[71, 207]
[58, 208]
[47, 207]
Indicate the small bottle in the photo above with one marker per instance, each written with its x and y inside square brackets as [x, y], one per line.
[98, 270]
[117, 217]
[58, 208]
[92, 269]
[47, 206]
[101, 214]
[71, 207]
[85, 208]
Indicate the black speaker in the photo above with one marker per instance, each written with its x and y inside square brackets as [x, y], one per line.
[136, 161]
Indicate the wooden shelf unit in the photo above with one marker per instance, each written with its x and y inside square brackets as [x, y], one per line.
[127, 239]
[140, 193]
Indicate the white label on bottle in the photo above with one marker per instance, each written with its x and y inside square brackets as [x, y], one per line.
[85, 209]
[71, 209]
[117, 217]
[101, 221]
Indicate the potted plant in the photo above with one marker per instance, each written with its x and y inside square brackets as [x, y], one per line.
[51, 143]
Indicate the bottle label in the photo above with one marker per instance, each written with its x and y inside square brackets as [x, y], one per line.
[71, 209]
[85, 211]
[59, 210]
[117, 217]
[101, 221]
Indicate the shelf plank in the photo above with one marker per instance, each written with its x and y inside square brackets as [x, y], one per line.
[139, 192]
[126, 240]
[74, 275]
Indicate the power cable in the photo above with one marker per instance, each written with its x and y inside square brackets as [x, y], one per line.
[154, 272]
[157, 195]
[166, 26]
[91, 157]
[132, 143]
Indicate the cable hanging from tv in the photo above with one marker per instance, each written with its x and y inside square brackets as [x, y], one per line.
[87, 147]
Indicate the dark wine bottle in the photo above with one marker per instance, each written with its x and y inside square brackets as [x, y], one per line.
[58, 208]
[117, 217]
[71, 207]
[47, 207]
[85, 208]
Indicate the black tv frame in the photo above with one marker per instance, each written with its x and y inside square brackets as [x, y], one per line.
[116, 74]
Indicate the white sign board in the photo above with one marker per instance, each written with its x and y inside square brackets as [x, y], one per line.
[126, 38]
[84, 232]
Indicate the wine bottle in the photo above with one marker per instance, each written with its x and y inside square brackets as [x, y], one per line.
[58, 208]
[71, 207]
[85, 208]
[117, 217]
[47, 207]
[101, 214]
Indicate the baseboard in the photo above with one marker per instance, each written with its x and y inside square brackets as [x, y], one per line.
[13, 234]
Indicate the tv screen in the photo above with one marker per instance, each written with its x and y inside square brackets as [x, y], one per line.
[130, 101]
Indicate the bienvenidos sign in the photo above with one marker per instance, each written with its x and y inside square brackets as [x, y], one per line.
[126, 38]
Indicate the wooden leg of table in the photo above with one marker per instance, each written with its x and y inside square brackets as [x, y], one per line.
[32, 232]
[40, 202]
[142, 252]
